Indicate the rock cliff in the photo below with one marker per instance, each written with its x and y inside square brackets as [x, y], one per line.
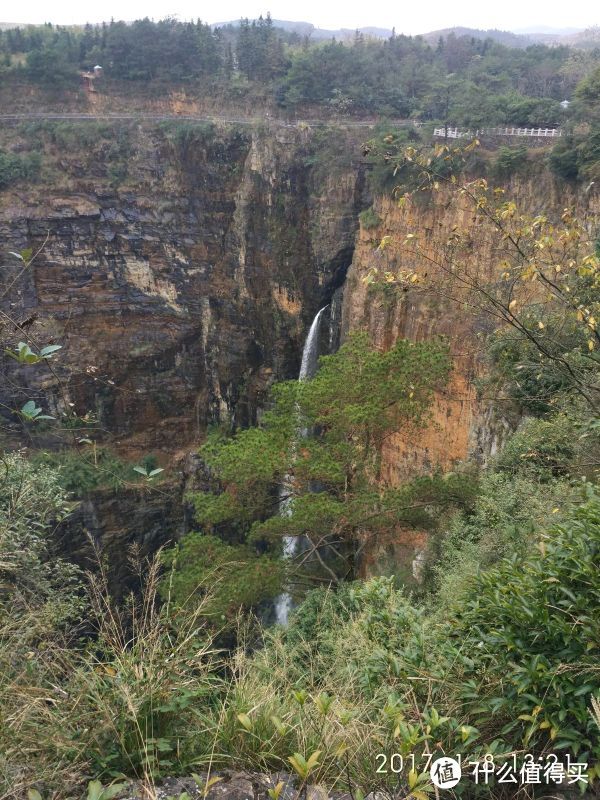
[180, 265]
[437, 304]
[463, 425]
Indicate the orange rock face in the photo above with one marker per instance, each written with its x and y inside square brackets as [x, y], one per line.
[462, 426]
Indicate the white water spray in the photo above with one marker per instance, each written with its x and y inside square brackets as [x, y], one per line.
[308, 367]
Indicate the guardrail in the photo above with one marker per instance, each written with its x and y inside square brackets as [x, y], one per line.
[461, 133]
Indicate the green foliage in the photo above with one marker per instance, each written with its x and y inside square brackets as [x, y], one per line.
[187, 134]
[32, 501]
[32, 413]
[50, 66]
[259, 50]
[96, 791]
[356, 398]
[510, 160]
[233, 576]
[148, 473]
[369, 219]
[25, 355]
[461, 80]
[134, 701]
[538, 378]
[381, 151]
[510, 664]
[542, 448]
[501, 521]
[82, 471]
[536, 622]
[564, 159]
[16, 169]
[577, 156]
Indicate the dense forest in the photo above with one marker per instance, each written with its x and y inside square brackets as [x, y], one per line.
[477, 265]
[461, 79]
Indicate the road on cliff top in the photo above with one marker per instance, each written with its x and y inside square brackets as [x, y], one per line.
[149, 117]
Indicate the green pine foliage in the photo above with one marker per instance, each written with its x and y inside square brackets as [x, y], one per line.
[223, 578]
[321, 441]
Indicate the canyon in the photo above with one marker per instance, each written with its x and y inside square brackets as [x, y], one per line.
[180, 265]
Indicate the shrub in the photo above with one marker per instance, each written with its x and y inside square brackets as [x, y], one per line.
[539, 379]
[31, 502]
[510, 160]
[134, 701]
[508, 509]
[238, 578]
[564, 160]
[534, 625]
[15, 168]
[541, 448]
[81, 472]
[369, 219]
[511, 665]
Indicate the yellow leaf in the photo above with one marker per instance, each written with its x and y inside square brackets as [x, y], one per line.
[211, 782]
[512, 304]
[541, 326]
[245, 721]
[542, 547]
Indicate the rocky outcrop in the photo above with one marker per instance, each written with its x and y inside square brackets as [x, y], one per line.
[180, 266]
[233, 785]
[437, 304]
[463, 426]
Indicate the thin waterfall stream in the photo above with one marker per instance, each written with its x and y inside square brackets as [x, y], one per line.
[308, 367]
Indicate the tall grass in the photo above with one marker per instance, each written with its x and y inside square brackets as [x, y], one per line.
[134, 697]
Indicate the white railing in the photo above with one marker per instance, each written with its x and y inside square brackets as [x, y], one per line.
[460, 133]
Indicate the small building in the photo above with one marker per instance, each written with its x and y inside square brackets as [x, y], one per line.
[88, 78]
[565, 104]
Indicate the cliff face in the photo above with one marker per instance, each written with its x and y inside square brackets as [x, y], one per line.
[437, 304]
[463, 426]
[180, 266]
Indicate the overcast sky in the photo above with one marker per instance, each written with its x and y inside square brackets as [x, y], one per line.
[411, 16]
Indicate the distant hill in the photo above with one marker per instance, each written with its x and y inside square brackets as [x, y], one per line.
[507, 38]
[583, 40]
[575, 37]
[524, 37]
[308, 29]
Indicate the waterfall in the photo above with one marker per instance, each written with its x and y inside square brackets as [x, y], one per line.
[308, 367]
[310, 354]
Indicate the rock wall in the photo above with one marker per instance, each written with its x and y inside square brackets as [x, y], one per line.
[179, 267]
[462, 426]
